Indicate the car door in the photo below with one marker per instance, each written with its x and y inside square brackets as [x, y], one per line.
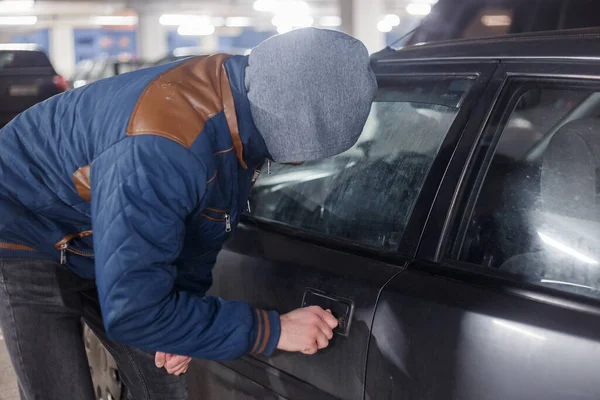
[503, 300]
[332, 233]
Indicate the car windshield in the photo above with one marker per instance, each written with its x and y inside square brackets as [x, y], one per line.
[367, 193]
[23, 59]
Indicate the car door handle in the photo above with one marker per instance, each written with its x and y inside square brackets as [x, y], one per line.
[341, 308]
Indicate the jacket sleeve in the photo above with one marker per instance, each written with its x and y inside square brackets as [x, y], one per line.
[143, 189]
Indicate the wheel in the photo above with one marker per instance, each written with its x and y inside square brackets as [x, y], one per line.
[103, 368]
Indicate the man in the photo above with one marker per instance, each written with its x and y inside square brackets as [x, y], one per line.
[119, 195]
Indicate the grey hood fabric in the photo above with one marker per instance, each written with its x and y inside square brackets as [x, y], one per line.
[310, 93]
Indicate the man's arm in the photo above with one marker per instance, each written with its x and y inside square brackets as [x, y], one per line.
[143, 189]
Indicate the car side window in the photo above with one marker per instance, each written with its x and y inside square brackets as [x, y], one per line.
[366, 194]
[536, 213]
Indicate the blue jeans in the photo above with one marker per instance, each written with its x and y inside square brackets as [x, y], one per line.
[42, 304]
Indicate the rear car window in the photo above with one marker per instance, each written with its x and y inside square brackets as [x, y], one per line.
[536, 214]
[366, 195]
[23, 59]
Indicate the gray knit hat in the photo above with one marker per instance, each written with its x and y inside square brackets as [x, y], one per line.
[310, 93]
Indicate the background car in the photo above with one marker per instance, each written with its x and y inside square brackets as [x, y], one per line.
[91, 70]
[26, 78]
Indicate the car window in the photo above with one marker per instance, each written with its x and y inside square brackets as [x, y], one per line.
[23, 59]
[536, 215]
[366, 194]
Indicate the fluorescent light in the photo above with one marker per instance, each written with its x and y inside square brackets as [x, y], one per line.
[9, 6]
[566, 249]
[567, 283]
[384, 26]
[418, 8]
[515, 328]
[265, 5]
[392, 19]
[292, 21]
[115, 20]
[496, 20]
[284, 29]
[237, 22]
[196, 30]
[332, 21]
[291, 7]
[24, 20]
[19, 46]
[184, 19]
[217, 21]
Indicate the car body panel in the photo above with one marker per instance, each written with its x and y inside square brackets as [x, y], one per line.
[273, 271]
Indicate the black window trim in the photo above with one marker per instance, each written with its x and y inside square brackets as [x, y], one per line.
[481, 72]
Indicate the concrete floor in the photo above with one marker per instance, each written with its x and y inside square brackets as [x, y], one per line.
[8, 380]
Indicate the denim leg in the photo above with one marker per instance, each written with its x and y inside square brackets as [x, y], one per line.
[143, 380]
[40, 312]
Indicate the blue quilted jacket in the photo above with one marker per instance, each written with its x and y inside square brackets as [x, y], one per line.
[136, 181]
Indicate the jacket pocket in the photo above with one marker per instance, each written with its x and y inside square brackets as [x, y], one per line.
[73, 243]
[217, 215]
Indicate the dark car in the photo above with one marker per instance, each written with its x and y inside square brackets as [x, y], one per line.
[26, 78]
[458, 243]
[463, 19]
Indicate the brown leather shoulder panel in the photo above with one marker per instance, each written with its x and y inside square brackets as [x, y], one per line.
[177, 104]
[81, 178]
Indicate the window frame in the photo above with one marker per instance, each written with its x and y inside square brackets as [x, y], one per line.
[450, 205]
[480, 72]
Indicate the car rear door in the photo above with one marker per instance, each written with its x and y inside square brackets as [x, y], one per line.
[503, 300]
[332, 233]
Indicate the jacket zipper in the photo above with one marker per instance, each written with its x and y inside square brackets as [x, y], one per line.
[64, 247]
[227, 222]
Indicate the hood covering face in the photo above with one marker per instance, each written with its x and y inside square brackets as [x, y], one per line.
[310, 93]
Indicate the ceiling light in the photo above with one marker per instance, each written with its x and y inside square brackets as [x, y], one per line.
[265, 5]
[384, 26]
[114, 20]
[24, 20]
[238, 22]
[8, 6]
[217, 21]
[333, 21]
[184, 19]
[496, 20]
[392, 19]
[196, 30]
[19, 46]
[418, 8]
[284, 29]
[291, 7]
[292, 21]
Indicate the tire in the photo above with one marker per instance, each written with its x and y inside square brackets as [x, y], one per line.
[103, 368]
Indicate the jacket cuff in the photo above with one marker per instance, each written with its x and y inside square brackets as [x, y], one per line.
[266, 331]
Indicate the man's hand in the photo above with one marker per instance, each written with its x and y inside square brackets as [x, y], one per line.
[174, 364]
[306, 330]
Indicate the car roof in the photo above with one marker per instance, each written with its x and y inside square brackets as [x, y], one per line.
[580, 44]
